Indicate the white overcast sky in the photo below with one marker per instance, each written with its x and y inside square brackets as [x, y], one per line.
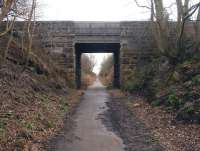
[91, 10]
[96, 10]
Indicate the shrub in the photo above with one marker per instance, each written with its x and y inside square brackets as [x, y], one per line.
[141, 80]
[2, 124]
[174, 101]
[189, 109]
[156, 103]
[133, 85]
[196, 80]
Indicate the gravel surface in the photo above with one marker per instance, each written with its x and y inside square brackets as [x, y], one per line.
[87, 132]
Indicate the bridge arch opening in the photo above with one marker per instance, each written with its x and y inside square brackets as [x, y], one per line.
[113, 48]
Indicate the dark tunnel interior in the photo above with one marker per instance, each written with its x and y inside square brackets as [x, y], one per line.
[114, 48]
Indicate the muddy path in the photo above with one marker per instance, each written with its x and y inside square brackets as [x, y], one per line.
[101, 124]
[135, 135]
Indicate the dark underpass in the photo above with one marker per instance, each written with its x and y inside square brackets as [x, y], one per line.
[98, 48]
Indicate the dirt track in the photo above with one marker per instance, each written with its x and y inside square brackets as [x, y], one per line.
[102, 124]
[135, 135]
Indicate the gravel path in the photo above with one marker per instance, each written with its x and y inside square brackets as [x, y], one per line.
[103, 124]
[88, 132]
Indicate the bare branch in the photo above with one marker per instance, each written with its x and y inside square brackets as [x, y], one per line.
[138, 4]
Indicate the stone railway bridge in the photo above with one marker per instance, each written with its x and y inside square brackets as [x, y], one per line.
[67, 40]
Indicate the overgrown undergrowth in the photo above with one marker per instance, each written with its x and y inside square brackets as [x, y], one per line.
[177, 89]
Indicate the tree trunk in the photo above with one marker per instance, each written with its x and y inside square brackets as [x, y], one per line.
[5, 9]
[179, 11]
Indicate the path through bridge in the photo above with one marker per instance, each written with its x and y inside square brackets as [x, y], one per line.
[93, 129]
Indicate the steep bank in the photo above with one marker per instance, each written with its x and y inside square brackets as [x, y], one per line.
[35, 99]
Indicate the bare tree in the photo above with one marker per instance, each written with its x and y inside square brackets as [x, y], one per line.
[174, 49]
[18, 9]
[88, 63]
[30, 29]
[5, 8]
[197, 31]
[106, 66]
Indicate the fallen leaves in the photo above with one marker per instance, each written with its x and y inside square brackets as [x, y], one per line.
[172, 136]
[29, 117]
[135, 105]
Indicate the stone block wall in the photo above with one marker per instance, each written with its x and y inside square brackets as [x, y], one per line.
[59, 39]
[137, 43]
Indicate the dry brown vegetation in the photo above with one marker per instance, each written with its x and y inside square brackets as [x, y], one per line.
[35, 98]
[171, 135]
[88, 79]
[107, 71]
[88, 76]
[35, 92]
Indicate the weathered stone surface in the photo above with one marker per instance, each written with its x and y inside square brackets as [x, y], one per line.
[135, 38]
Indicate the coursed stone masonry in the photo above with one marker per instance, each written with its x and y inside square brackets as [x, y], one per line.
[59, 39]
